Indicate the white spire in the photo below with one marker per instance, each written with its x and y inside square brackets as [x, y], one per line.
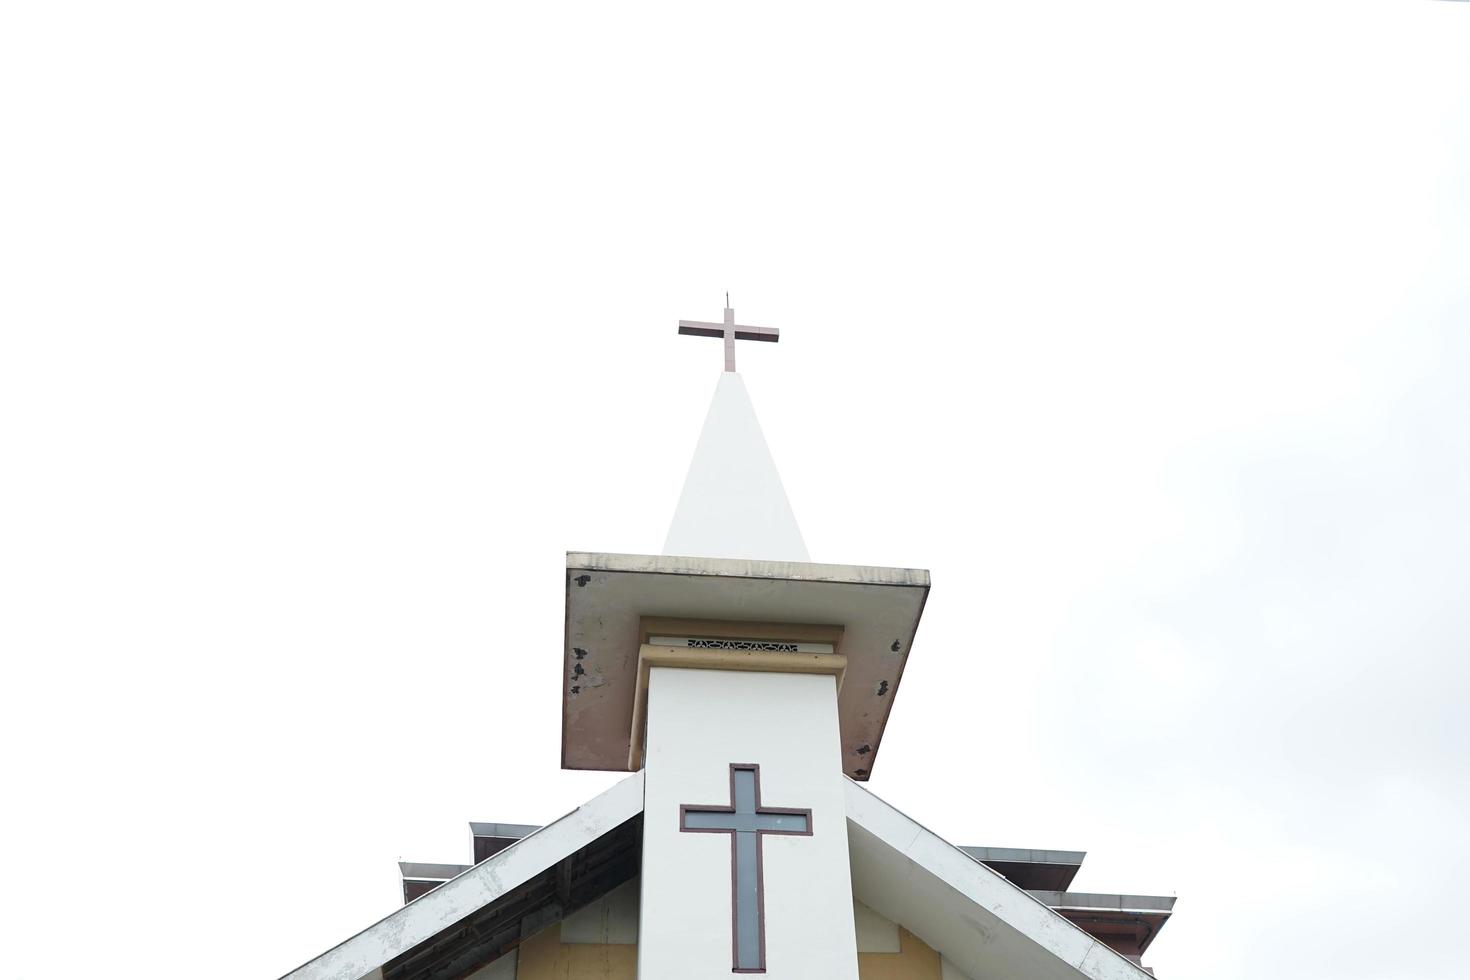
[733, 505]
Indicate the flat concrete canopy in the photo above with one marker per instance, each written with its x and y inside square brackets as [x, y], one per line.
[1030, 869]
[1127, 923]
[608, 595]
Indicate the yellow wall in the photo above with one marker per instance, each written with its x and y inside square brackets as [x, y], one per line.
[913, 961]
[545, 957]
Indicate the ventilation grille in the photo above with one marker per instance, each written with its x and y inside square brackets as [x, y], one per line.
[765, 646]
[771, 645]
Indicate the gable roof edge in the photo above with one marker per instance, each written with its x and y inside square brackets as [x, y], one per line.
[363, 954]
[1006, 902]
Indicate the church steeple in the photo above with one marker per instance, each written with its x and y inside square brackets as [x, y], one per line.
[733, 504]
[745, 682]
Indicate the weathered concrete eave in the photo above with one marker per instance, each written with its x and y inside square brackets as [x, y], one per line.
[795, 571]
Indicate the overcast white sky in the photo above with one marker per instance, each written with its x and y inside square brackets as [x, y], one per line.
[326, 328]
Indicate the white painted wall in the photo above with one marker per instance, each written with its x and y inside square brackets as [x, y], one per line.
[700, 721]
[948, 971]
[875, 934]
[612, 919]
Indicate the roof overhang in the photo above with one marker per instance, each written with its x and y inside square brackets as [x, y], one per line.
[609, 595]
[1030, 869]
[492, 838]
[419, 878]
[1128, 923]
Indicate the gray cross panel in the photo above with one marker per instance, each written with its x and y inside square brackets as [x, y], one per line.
[747, 902]
[743, 783]
[745, 821]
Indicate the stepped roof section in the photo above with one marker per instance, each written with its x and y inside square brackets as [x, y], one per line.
[980, 922]
[1127, 924]
[484, 913]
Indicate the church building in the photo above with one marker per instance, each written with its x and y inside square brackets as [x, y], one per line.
[745, 690]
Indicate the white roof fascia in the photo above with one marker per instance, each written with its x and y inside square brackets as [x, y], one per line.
[515, 830]
[910, 875]
[365, 953]
[1148, 904]
[418, 871]
[1022, 855]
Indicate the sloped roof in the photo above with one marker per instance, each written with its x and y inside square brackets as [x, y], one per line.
[979, 921]
[983, 924]
[499, 900]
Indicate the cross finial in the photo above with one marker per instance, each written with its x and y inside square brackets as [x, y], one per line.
[730, 331]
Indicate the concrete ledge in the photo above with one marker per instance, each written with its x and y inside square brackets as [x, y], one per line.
[786, 571]
[876, 610]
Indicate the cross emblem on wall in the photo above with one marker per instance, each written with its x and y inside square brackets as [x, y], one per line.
[730, 331]
[747, 822]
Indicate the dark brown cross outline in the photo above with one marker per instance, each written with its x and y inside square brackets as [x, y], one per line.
[747, 822]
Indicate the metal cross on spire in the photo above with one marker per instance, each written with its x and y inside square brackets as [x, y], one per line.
[730, 331]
